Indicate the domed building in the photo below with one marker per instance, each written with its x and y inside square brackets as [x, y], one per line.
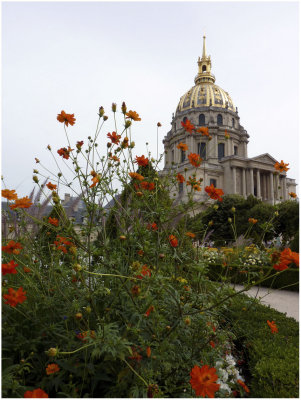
[224, 153]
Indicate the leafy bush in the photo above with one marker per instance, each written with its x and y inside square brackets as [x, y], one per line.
[273, 359]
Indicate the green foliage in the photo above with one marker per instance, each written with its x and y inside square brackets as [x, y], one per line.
[288, 222]
[273, 359]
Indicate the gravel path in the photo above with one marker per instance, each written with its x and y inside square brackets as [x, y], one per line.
[284, 301]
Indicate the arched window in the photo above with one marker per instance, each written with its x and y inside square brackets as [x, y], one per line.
[219, 119]
[221, 150]
[233, 122]
[183, 156]
[202, 119]
[184, 119]
[204, 68]
[202, 150]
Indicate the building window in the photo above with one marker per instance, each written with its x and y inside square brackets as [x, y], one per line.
[204, 68]
[202, 150]
[233, 122]
[172, 156]
[184, 119]
[213, 182]
[221, 150]
[181, 186]
[202, 119]
[235, 150]
[219, 119]
[183, 156]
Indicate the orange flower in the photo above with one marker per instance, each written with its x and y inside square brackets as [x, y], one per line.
[149, 310]
[61, 243]
[114, 137]
[287, 256]
[140, 253]
[135, 175]
[281, 166]
[182, 146]
[95, 178]
[180, 178]
[195, 159]
[136, 356]
[253, 221]
[125, 143]
[227, 136]
[148, 185]
[141, 161]
[79, 144]
[9, 194]
[194, 183]
[144, 272]
[114, 158]
[52, 369]
[272, 326]
[26, 270]
[190, 234]
[203, 130]
[203, 381]
[53, 221]
[9, 268]
[188, 126]
[214, 193]
[25, 202]
[64, 152]
[133, 115]
[12, 247]
[51, 186]
[292, 195]
[148, 351]
[173, 241]
[66, 118]
[212, 344]
[280, 267]
[35, 394]
[243, 385]
[15, 296]
[152, 227]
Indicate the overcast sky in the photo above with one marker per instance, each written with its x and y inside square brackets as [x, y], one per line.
[77, 56]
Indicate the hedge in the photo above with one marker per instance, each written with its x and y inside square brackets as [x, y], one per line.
[287, 280]
[273, 359]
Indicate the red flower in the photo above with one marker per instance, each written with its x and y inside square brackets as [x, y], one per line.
[212, 344]
[114, 137]
[280, 267]
[79, 145]
[243, 385]
[25, 202]
[149, 310]
[203, 381]
[180, 178]
[51, 186]
[195, 159]
[9, 194]
[203, 130]
[173, 241]
[52, 369]
[148, 185]
[144, 272]
[281, 166]
[214, 193]
[9, 268]
[35, 394]
[141, 161]
[287, 256]
[53, 221]
[64, 152]
[136, 356]
[15, 296]
[66, 118]
[152, 227]
[272, 326]
[188, 126]
[148, 351]
[12, 247]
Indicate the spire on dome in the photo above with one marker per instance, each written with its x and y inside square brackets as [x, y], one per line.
[204, 64]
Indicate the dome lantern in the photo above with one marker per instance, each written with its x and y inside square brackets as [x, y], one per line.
[204, 64]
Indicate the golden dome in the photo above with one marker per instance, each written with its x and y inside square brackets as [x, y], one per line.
[205, 95]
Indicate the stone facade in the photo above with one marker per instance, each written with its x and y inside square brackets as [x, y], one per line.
[225, 160]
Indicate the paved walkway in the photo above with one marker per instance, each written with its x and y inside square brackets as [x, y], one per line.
[284, 301]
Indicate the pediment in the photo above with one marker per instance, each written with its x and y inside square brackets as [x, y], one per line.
[266, 158]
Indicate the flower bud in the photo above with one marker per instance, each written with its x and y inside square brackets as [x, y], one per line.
[230, 220]
[105, 117]
[158, 125]
[35, 171]
[132, 145]
[128, 123]
[276, 213]
[215, 207]
[187, 321]
[88, 309]
[35, 179]
[52, 352]
[59, 174]
[78, 315]
[114, 107]
[122, 237]
[139, 194]
[48, 147]
[210, 223]
[101, 111]
[233, 209]
[123, 107]
[77, 267]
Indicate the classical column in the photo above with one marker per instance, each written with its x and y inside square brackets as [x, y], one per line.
[258, 184]
[285, 189]
[264, 187]
[251, 182]
[272, 187]
[234, 179]
[277, 187]
[244, 182]
[214, 140]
